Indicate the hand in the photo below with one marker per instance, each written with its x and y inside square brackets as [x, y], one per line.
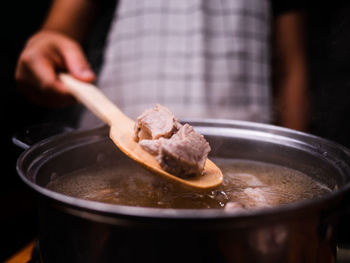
[45, 54]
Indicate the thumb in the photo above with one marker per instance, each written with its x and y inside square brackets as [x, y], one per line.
[76, 62]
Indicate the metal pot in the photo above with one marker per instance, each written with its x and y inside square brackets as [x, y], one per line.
[76, 230]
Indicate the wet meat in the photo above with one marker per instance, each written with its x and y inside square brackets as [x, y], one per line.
[233, 206]
[184, 153]
[152, 146]
[257, 197]
[180, 150]
[156, 123]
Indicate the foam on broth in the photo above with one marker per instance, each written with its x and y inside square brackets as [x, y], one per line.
[252, 184]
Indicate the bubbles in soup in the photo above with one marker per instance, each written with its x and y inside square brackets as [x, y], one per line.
[247, 184]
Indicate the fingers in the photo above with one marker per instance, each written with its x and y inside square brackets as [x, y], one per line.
[38, 82]
[45, 54]
[76, 62]
[40, 71]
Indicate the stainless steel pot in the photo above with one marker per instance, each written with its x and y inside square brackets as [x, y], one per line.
[76, 230]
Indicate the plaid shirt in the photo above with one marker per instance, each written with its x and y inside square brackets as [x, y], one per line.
[201, 59]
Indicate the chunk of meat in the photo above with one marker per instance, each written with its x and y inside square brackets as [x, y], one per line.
[256, 197]
[152, 146]
[156, 123]
[184, 153]
[233, 206]
[180, 150]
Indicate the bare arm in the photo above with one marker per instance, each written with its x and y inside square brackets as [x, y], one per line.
[292, 97]
[71, 17]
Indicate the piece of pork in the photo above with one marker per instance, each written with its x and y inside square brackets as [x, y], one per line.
[156, 123]
[257, 197]
[152, 146]
[180, 150]
[233, 206]
[185, 153]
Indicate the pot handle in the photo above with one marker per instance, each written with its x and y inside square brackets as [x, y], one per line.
[28, 136]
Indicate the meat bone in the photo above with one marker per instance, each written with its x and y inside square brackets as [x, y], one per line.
[122, 131]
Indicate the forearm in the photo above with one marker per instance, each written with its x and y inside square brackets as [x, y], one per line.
[292, 84]
[293, 100]
[71, 17]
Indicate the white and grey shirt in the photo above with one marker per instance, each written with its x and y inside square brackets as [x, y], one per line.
[199, 58]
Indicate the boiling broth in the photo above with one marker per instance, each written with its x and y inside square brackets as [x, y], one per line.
[252, 184]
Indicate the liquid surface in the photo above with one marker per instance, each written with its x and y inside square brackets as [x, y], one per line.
[247, 184]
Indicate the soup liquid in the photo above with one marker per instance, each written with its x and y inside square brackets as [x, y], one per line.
[251, 184]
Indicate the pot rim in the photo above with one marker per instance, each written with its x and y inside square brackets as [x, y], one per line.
[170, 213]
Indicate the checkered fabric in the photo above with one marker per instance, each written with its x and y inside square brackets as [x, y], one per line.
[200, 58]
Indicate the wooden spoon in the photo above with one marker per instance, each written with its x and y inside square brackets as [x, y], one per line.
[122, 131]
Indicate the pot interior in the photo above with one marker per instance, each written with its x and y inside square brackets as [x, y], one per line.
[327, 164]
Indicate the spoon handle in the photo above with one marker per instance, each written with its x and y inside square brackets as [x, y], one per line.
[94, 100]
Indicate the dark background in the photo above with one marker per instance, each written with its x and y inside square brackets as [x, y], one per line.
[328, 46]
[18, 216]
[18, 220]
[328, 42]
